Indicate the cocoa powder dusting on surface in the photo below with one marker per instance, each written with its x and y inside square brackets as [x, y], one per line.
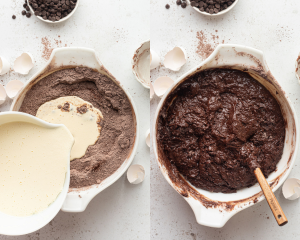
[206, 45]
[118, 130]
[47, 48]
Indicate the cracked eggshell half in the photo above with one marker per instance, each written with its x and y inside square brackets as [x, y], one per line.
[161, 85]
[151, 91]
[141, 64]
[4, 66]
[297, 68]
[291, 188]
[13, 88]
[175, 59]
[2, 94]
[24, 63]
[154, 59]
[148, 138]
[136, 174]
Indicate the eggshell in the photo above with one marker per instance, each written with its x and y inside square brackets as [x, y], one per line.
[4, 66]
[297, 66]
[24, 63]
[13, 88]
[2, 94]
[154, 59]
[291, 189]
[136, 174]
[175, 59]
[151, 91]
[161, 85]
[148, 138]
[141, 64]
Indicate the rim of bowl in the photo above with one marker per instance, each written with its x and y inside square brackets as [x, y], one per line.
[61, 20]
[217, 14]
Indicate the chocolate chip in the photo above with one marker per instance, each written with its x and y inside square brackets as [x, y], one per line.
[23, 12]
[28, 15]
[27, 8]
[167, 6]
[178, 2]
[14, 17]
[193, 3]
[183, 4]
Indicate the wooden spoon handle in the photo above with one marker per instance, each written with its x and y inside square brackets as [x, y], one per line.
[272, 201]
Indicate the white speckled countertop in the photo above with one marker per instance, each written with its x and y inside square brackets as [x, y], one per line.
[114, 29]
[271, 26]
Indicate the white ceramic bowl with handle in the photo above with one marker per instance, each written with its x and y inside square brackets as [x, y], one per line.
[61, 58]
[215, 209]
[13, 225]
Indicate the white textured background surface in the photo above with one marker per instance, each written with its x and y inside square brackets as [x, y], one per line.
[114, 29]
[271, 26]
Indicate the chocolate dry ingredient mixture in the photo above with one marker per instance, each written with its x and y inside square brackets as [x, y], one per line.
[218, 126]
[118, 129]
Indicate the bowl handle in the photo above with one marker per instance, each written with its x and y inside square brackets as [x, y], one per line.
[228, 55]
[76, 202]
[209, 216]
[65, 57]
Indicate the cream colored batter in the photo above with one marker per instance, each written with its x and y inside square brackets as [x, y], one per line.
[85, 127]
[33, 166]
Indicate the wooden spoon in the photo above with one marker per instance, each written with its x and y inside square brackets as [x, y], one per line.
[272, 201]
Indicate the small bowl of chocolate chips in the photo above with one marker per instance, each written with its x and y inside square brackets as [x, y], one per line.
[212, 7]
[53, 11]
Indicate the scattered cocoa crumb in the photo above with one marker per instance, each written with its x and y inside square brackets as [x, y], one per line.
[66, 107]
[205, 45]
[83, 109]
[47, 48]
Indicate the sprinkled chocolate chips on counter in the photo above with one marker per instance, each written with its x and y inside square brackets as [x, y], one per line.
[53, 10]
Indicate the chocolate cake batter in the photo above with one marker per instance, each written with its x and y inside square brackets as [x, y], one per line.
[218, 126]
[118, 129]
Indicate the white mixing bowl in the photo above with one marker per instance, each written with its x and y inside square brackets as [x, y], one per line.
[13, 225]
[61, 58]
[215, 209]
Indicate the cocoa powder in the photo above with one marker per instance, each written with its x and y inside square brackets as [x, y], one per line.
[118, 130]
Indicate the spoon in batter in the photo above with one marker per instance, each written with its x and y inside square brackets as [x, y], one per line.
[272, 201]
[249, 153]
